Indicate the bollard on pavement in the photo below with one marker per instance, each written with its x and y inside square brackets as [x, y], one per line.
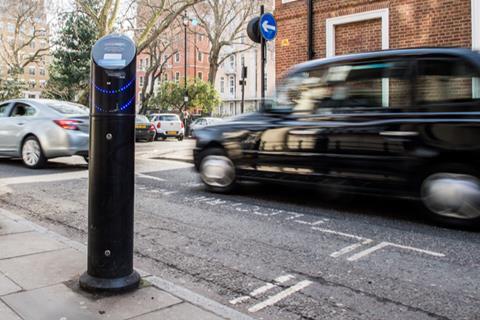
[111, 167]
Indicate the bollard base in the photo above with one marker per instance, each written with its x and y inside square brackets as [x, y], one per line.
[123, 284]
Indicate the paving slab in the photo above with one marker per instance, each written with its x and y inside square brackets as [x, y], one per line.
[183, 311]
[8, 226]
[6, 313]
[7, 286]
[19, 244]
[56, 302]
[44, 269]
[61, 302]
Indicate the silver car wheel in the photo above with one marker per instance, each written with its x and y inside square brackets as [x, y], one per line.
[452, 195]
[217, 171]
[31, 152]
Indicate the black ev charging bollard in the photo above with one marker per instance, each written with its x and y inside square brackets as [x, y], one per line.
[111, 167]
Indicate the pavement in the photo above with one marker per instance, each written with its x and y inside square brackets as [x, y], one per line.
[39, 273]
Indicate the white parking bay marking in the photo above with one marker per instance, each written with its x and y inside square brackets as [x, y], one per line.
[146, 176]
[280, 296]
[381, 245]
[350, 248]
[262, 289]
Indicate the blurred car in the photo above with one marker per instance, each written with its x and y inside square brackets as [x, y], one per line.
[401, 123]
[168, 125]
[201, 123]
[36, 130]
[144, 129]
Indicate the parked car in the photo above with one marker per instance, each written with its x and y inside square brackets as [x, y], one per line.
[403, 123]
[38, 130]
[202, 123]
[144, 129]
[168, 125]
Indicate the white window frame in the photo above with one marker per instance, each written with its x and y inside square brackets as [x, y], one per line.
[331, 23]
[475, 42]
[383, 15]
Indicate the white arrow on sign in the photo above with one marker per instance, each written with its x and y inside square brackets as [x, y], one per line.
[266, 27]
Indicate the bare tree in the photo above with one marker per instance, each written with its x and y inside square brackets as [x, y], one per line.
[153, 21]
[159, 53]
[224, 22]
[26, 41]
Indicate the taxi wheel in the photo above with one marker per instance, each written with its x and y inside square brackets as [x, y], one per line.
[451, 195]
[217, 171]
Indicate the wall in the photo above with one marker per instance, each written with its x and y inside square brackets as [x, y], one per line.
[412, 23]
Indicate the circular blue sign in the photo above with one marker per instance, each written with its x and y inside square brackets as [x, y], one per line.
[268, 26]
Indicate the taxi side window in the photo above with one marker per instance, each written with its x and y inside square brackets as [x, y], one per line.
[445, 80]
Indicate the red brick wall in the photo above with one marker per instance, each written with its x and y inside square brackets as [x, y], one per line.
[413, 23]
[358, 37]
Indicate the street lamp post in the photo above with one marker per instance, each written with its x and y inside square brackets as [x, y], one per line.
[185, 25]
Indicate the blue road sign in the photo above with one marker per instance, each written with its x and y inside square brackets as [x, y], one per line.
[268, 26]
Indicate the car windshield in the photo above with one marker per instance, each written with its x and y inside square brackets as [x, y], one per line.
[141, 119]
[68, 108]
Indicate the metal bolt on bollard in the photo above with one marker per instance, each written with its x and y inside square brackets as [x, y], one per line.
[111, 168]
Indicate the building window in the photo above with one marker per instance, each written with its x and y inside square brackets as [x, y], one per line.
[147, 63]
[32, 44]
[222, 85]
[200, 75]
[242, 59]
[141, 64]
[165, 77]
[42, 71]
[42, 83]
[177, 77]
[177, 57]
[32, 83]
[165, 58]
[232, 61]
[232, 108]
[200, 56]
[242, 38]
[231, 84]
[141, 82]
[31, 71]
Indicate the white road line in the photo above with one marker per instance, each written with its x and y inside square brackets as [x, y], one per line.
[45, 178]
[146, 176]
[262, 289]
[350, 248]
[432, 253]
[239, 300]
[381, 245]
[366, 252]
[280, 296]
[347, 235]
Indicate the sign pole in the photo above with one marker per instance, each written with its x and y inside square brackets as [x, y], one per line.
[262, 72]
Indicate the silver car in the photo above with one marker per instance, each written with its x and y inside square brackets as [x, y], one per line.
[36, 130]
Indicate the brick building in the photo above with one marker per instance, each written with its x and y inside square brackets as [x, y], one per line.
[197, 52]
[22, 37]
[342, 27]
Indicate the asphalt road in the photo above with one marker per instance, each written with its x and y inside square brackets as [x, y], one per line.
[273, 252]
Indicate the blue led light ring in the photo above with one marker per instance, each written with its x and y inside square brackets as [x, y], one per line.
[125, 87]
[121, 108]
